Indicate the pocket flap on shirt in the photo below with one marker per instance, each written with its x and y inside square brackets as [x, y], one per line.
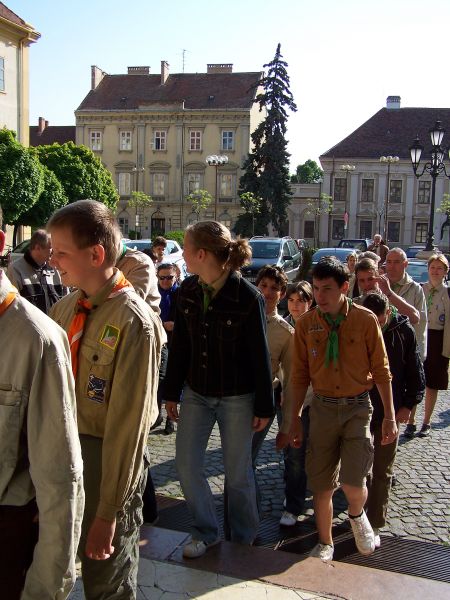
[96, 354]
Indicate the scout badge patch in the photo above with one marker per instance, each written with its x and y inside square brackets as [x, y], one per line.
[96, 389]
[110, 336]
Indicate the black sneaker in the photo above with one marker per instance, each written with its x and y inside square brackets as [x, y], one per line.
[425, 431]
[157, 423]
[169, 428]
[410, 431]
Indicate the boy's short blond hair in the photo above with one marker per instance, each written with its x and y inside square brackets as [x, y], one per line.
[91, 223]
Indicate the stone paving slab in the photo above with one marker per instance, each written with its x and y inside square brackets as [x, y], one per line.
[420, 501]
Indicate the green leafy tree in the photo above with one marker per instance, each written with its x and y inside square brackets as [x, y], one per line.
[266, 170]
[308, 172]
[177, 235]
[140, 201]
[81, 173]
[445, 209]
[51, 198]
[21, 179]
[200, 200]
[317, 207]
[245, 223]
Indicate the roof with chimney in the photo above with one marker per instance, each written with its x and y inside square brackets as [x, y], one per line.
[391, 131]
[51, 134]
[8, 15]
[198, 91]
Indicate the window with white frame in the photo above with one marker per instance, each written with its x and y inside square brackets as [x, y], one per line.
[393, 231]
[226, 187]
[124, 225]
[125, 138]
[158, 184]
[195, 140]
[421, 233]
[365, 230]
[95, 140]
[160, 139]
[2, 74]
[337, 232]
[424, 192]
[227, 140]
[193, 182]
[367, 190]
[395, 195]
[124, 184]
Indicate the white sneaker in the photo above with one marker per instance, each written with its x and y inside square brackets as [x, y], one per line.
[363, 532]
[323, 551]
[376, 537]
[197, 548]
[288, 519]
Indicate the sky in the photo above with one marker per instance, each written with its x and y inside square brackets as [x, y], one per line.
[344, 57]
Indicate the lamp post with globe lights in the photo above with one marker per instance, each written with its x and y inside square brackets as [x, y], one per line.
[434, 167]
[347, 169]
[216, 160]
[389, 160]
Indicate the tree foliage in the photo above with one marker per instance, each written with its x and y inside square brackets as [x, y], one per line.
[50, 199]
[317, 207]
[308, 172]
[245, 223]
[81, 173]
[266, 169]
[200, 200]
[21, 178]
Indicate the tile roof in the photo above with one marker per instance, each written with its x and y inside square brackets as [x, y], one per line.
[391, 132]
[198, 90]
[51, 134]
[8, 14]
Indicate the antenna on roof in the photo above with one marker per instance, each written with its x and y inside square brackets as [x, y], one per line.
[184, 57]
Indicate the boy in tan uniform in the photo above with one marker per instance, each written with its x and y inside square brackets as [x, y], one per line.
[115, 341]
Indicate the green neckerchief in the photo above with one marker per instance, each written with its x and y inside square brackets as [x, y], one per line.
[332, 350]
[208, 292]
[393, 313]
[124, 251]
[395, 287]
[431, 293]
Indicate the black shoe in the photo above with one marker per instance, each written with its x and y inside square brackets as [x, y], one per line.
[425, 431]
[157, 423]
[410, 431]
[169, 428]
[393, 480]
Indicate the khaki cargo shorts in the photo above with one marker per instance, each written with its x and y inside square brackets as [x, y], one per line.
[340, 448]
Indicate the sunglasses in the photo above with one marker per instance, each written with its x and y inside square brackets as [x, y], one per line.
[168, 277]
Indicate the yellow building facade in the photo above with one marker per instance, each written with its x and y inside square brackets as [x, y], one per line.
[155, 132]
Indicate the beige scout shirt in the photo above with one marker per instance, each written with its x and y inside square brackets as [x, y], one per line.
[439, 314]
[279, 334]
[116, 384]
[412, 292]
[140, 271]
[40, 456]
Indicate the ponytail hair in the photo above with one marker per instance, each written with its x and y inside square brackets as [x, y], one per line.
[214, 237]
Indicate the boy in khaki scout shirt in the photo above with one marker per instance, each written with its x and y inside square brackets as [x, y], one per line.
[115, 340]
[339, 349]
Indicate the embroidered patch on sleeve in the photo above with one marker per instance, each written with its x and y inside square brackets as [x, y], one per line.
[96, 389]
[110, 336]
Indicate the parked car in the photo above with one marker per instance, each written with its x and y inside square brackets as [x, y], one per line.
[361, 244]
[173, 248]
[282, 252]
[339, 253]
[411, 251]
[418, 270]
[302, 244]
[19, 250]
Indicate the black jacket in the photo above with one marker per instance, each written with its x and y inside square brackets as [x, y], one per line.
[223, 352]
[408, 378]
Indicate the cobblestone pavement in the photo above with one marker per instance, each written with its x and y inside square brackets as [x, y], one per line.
[420, 501]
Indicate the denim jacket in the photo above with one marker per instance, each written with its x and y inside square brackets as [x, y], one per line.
[223, 352]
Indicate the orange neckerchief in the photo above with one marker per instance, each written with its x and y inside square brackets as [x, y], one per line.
[10, 297]
[83, 308]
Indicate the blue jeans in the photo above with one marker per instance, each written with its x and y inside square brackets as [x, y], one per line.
[234, 415]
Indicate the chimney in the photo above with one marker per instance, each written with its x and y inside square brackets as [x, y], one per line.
[164, 71]
[393, 102]
[219, 68]
[138, 70]
[46, 124]
[96, 76]
[41, 125]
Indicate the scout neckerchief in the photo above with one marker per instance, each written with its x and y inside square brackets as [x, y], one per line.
[82, 310]
[332, 350]
[431, 293]
[9, 299]
[209, 290]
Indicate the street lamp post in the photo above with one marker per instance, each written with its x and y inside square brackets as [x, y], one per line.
[139, 215]
[347, 169]
[216, 160]
[389, 160]
[434, 167]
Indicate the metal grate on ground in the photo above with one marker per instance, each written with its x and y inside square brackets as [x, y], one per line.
[410, 557]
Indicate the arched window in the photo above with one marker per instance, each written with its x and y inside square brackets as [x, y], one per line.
[157, 223]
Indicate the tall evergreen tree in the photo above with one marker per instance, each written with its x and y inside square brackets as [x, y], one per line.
[267, 166]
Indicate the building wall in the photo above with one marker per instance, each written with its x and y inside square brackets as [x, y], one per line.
[147, 161]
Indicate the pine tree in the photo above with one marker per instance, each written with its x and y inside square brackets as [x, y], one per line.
[266, 169]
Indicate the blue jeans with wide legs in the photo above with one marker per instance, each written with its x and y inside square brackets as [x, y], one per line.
[234, 415]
